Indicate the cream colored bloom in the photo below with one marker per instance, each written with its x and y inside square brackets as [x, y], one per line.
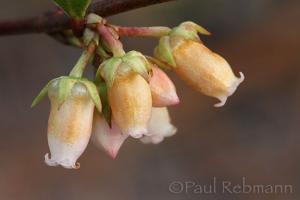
[69, 126]
[162, 88]
[159, 126]
[110, 139]
[130, 101]
[205, 70]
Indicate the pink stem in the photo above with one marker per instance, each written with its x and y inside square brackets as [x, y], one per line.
[114, 44]
[156, 31]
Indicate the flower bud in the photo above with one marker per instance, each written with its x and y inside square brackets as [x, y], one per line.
[162, 88]
[159, 126]
[205, 71]
[130, 101]
[69, 125]
[110, 139]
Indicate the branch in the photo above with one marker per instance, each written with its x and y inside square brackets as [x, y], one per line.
[56, 21]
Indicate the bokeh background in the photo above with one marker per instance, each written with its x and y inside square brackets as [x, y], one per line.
[256, 135]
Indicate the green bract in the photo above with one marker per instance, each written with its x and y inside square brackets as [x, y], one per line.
[132, 61]
[185, 31]
[74, 8]
[64, 86]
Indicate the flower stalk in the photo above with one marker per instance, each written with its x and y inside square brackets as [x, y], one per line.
[114, 45]
[155, 31]
[83, 61]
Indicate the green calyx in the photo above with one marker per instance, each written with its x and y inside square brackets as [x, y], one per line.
[185, 31]
[63, 87]
[132, 61]
[163, 51]
[189, 31]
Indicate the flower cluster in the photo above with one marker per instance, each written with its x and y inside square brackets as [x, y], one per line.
[130, 93]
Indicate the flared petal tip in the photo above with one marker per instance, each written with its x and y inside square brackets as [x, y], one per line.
[230, 90]
[239, 80]
[222, 102]
[137, 132]
[65, 163]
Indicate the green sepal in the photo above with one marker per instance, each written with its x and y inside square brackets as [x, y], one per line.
[108, 69]
[93, 92]
[138, 63]
[65, 85]
[133, 61]
[74, 8]
[41, 95]
[163, 51]
[189, 30]
[106, 110]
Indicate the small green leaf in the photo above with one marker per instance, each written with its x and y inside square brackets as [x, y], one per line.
[92, 89]
[65, 86]
[41, 95]
[74, 8]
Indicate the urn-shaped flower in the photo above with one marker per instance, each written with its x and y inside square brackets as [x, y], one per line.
[198, 66]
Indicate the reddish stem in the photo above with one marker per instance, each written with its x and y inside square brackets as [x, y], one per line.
[157, 31]
[110, 41]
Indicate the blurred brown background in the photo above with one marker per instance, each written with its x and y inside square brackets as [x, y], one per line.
[255, 135]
